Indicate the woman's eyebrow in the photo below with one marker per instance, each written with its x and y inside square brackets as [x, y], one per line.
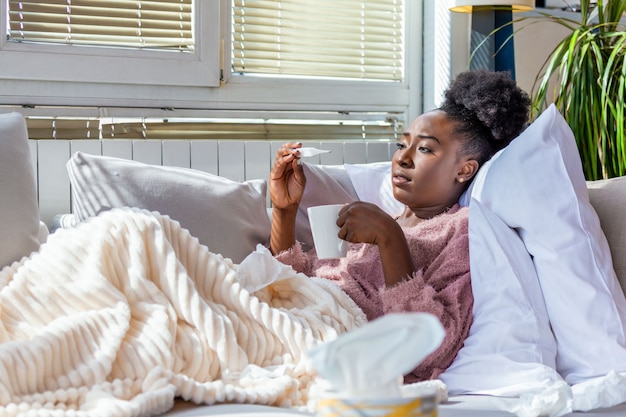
[408, 135]
[429, 137]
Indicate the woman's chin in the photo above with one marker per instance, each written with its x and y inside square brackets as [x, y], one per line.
[398, 194]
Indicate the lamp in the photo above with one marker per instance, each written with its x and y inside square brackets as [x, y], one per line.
[497, 50]
[466, 6]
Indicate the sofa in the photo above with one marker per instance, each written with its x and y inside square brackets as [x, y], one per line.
[546, 251]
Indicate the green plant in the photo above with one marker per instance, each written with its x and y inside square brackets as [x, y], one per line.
[585, 76]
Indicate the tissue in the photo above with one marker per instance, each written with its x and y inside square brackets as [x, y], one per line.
[560, 398]
[553, 401]
[601, 392]
[372, 360]
[259, 269]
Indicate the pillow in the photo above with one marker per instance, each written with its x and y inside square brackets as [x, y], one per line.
[372, 183]
[510, 349]
[325, 184]
[19, 210]
[43, 233]
[63, 221]
[608, 198]
[227, 216]
[536, 186]
[338, 184]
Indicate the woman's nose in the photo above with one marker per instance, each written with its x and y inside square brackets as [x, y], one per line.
[403, 158]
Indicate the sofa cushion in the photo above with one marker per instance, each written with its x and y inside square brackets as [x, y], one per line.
[19, 210]
[608, 198]
[227, 216]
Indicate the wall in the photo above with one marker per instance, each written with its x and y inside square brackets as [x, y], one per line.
[535, 39]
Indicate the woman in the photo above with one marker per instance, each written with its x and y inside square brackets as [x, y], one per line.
[419, 261]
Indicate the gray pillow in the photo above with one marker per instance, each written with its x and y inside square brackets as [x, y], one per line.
[229, 217]
[19, 211]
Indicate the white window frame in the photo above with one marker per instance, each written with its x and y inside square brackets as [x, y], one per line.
[446, 49]
[350, 95]
[30, 78]
[83, 64]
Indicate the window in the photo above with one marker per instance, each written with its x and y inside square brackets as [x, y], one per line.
[349, 39]
[135, 24]
[207, 60]
[127, 42]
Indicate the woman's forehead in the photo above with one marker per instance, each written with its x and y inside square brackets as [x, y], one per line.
[429, 123]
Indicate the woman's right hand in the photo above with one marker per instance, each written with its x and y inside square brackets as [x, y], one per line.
[287, 180]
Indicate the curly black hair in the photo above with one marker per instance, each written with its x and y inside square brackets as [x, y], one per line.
[489, 109]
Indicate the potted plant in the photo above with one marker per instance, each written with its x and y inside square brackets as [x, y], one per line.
[585, 76]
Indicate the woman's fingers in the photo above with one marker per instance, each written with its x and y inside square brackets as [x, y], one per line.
[288, 152]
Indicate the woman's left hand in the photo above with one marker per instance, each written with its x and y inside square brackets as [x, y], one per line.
[362, 222]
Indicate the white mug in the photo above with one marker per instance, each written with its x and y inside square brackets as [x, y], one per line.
[323, 220]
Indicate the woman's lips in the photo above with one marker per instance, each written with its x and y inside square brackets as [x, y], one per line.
[398, 179]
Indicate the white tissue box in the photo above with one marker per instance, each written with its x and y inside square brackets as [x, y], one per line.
[423, 406]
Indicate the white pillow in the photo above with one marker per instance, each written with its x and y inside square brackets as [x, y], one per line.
[536, 185]
[510, 349]
[336, 184]
[19, 210]
[227, 216]
[372, 183]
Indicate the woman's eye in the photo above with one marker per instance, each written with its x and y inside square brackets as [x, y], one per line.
[424, 149]
[400, 145]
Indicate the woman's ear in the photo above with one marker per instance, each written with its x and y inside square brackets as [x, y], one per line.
[468, 169]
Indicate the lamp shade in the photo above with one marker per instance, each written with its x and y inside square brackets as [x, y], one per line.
[466, 6]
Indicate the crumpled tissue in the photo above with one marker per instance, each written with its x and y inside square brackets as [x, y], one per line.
[560, 398]
[372, 360]
[261, 260]
[601, 392]
[555, 400]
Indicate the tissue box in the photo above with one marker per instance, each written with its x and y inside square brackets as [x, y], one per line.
[424, 406]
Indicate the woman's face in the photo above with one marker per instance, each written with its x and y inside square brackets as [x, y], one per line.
[428, 170]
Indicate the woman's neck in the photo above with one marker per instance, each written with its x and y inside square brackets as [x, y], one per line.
[411, 217]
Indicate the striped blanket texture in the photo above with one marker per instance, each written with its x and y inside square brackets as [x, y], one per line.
[125, 312]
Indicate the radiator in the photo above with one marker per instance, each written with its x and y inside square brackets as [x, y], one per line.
[236, 160]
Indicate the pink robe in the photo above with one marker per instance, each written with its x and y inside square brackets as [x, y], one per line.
[440, 284]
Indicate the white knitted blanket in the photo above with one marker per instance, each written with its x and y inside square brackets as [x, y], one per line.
[125, 312]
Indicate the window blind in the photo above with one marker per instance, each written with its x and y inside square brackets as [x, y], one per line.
[62, 128]
[361, 39]
[218, 129]
[160, 24]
